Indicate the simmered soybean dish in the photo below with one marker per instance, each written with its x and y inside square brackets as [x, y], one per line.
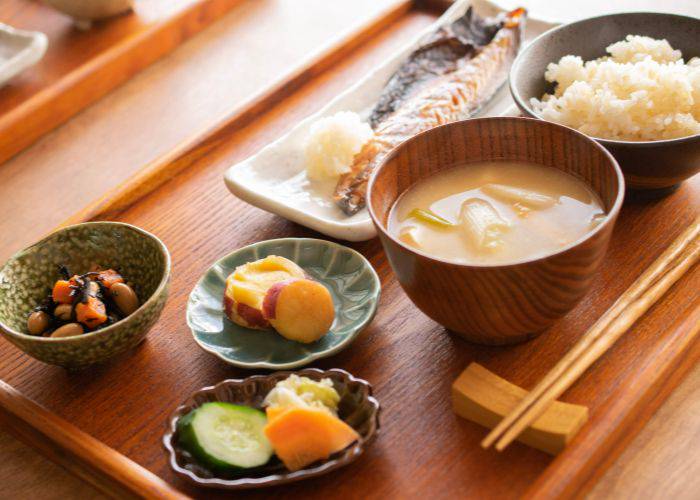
[82, 303]
[495, 212]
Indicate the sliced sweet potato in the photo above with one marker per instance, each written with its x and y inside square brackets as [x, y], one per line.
[250, 281]
[247, 285]
[240, 313]
[299, 309]
[251, 316]
[301, 436]
[91, 313]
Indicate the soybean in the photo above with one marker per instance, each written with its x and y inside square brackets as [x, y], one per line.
[38, 322]
[64, 312]
[69, 330]
[124, 297]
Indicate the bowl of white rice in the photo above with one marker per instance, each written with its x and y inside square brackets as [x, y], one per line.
[631, 81]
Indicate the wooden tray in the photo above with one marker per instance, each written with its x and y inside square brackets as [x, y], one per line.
[423, 447]
[81, 66]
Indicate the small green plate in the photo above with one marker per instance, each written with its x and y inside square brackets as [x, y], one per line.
[349, 277]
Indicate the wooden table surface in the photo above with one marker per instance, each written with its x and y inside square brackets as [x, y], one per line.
[661, 462]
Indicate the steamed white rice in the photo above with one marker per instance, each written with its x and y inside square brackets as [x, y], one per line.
[643, 91]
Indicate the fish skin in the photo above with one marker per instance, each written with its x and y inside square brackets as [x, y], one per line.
[437, 56]
[454, 95]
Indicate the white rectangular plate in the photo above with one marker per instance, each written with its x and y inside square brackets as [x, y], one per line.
[274, 179]
[19, 49]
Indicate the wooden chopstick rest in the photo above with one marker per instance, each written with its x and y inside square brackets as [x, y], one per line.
[485, 398]
[649, 275]
[675, 261]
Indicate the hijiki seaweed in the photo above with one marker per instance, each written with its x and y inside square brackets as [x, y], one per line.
[86, 302]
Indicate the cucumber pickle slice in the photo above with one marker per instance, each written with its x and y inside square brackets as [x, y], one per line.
[225, 436]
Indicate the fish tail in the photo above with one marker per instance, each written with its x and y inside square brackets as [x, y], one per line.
[351, 190]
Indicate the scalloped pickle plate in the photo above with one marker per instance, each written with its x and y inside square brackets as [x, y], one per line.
[357, 407]
[350, 278]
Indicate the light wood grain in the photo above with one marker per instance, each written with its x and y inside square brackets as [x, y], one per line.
[83, 455]
[82, 66]
[651, 285]
[662, 462]
[667, 436]
[423, 446]
[485, 398]
[161, 111]
[26, 473]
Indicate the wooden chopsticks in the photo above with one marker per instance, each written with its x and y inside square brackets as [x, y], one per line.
[637, 299]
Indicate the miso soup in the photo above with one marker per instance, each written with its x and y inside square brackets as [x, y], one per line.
[495, 212]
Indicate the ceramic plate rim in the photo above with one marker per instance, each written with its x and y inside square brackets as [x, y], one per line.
[31, 53]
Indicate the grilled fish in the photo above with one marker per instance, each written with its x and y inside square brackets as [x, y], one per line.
[448, 78]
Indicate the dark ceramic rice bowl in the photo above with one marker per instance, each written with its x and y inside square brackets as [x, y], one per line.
[651, 165]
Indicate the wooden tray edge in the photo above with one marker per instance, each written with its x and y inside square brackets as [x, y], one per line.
[79, 453]
[574, 472]
[163, 168]
[33, 118]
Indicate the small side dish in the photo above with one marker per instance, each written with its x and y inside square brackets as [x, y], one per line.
[286, 302]
[112, 315]
[300, 426]
[272, 429]
[83, 303]
[275, 292]
[641, 91]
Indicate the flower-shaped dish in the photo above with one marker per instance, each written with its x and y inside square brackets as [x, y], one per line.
[349, 277]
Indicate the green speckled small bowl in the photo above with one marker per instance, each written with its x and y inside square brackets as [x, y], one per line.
[348, 276]
[27, 277]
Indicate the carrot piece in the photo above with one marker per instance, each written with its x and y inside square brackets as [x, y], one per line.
[299, 309]
[301, 436]
[61, 293]
[109, 277]
[91, 313]
[274, 411]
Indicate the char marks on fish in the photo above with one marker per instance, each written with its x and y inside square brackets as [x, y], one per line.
[449, 77]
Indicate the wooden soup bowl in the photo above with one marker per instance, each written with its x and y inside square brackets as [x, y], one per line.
[503, 303]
